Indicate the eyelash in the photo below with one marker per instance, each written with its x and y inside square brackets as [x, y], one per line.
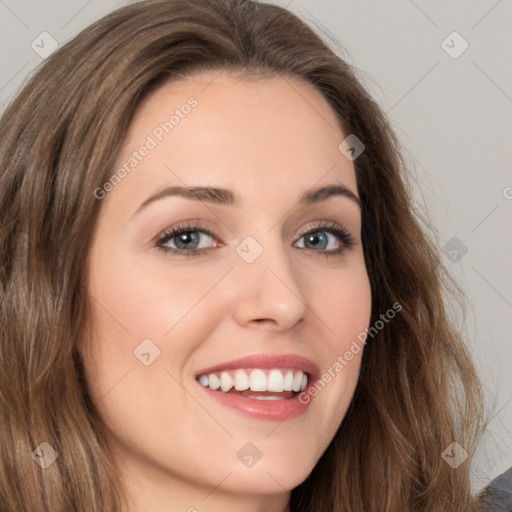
[343, 236]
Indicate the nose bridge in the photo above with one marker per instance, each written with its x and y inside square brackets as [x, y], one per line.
[269, 288]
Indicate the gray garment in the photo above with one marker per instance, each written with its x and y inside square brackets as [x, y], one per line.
[497, 496]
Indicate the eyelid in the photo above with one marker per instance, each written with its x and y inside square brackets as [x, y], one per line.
[324, 225]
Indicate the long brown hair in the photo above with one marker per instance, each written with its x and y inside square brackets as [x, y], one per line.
[417, 391]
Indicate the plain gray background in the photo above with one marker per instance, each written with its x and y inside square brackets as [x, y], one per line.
[452, 114]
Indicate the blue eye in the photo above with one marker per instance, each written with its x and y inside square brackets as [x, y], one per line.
[186, 238]
[317, 238]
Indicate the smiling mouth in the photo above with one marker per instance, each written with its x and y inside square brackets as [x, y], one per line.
[257, 383]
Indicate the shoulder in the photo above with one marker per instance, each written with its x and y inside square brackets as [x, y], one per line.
[497, 496]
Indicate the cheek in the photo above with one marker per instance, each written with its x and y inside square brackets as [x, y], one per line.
[345, 308]
[133, 302]
[344, 305]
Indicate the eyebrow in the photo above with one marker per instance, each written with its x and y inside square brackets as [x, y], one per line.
[224, 196]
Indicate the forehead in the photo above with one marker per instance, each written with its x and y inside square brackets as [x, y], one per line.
[268, 134]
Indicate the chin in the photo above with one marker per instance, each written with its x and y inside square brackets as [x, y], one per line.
[274, 477]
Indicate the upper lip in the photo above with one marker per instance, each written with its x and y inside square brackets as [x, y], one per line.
[267, 361]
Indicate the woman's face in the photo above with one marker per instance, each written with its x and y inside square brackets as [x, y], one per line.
[245, 282]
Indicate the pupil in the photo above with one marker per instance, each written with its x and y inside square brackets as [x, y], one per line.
[316, 239]
[185, 238]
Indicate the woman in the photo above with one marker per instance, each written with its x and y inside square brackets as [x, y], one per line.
[217, 292]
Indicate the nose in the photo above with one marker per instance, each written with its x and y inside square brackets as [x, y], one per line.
[269, 293]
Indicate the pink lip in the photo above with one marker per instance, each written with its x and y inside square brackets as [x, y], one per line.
[268, 361]
[270, 410]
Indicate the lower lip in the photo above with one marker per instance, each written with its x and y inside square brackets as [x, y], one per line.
[270, 410]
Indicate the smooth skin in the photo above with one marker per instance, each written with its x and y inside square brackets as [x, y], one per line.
[267, 140]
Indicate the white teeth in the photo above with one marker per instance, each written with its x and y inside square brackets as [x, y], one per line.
[258, 380]
[214, 381]
[288, 381]
[274, 380]
[267, 397]
[304, 383]
[226, 382]
[297, 381]
[241, 380]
